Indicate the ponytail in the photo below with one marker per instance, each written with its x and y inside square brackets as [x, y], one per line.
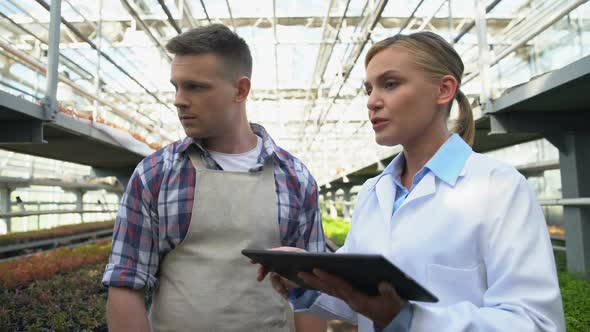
[465, 126]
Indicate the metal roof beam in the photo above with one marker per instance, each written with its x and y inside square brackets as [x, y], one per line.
[133, 12]
[352, 57]
[496, 24]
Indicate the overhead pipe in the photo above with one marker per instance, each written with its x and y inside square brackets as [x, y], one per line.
[169, 15]
[472, 24]
[78, 69]
[33, 63]
[377, 15]
[536, 30]
[205, 10]
[405, 25]
[425, 23]
[322, 61]
[119, 97]
[231, 17]
[146, 29]
[109, 59]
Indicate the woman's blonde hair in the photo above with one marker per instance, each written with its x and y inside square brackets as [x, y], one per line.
[438, 58]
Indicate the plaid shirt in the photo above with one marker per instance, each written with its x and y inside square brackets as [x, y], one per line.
[155, 209]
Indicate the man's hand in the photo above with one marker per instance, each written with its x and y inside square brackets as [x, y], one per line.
[280, 284]
[381, 309]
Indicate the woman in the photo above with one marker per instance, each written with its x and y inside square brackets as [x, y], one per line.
[465, 226]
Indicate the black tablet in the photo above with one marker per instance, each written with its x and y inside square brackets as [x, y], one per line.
[362, 271]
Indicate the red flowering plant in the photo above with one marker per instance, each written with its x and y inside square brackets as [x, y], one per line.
[20, 273]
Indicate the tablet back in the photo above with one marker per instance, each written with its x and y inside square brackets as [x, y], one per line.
[364, 272]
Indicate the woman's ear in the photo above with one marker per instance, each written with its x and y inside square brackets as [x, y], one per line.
[243, 89]
[447, 90]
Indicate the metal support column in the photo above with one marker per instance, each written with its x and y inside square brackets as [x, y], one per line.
[5, 206]
[451, 24]
[50, 104]
[346, 204]
[484, 53]
[331, 202]
[97, 84]
[80, 203]
[575, 180]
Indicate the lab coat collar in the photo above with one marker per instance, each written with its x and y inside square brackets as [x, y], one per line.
[426, 187]
[385, 188]
[385, 192]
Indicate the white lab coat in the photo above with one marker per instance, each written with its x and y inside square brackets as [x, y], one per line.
[481, 246]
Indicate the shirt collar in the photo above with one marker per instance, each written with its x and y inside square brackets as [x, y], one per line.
[446, 164]
[269, 147]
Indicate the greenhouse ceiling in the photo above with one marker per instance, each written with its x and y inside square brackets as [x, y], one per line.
[307, 54]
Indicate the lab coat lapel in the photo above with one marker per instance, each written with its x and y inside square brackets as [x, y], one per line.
[385, 195]
[426, 187]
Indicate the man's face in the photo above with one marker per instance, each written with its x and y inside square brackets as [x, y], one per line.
[205, 98]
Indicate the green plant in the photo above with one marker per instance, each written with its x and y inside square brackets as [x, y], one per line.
[575, 292]
[73, 301]
[335, 229]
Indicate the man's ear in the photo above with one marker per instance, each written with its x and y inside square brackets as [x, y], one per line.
[447, 90]
[243, 89]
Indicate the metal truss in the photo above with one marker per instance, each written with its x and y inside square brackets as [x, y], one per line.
[327, 128]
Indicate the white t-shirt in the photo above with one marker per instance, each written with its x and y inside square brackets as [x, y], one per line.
[241, 162]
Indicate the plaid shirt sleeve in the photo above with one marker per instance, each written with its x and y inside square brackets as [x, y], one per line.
[310, 219]
[133, 261]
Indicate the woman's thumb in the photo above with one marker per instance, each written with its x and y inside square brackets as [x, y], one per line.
[386, 289]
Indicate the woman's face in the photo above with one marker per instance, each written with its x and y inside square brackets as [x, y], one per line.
[402, 99]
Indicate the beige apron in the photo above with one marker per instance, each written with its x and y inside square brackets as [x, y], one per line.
[205, 283]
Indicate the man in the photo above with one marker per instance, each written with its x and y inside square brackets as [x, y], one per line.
[190, 208]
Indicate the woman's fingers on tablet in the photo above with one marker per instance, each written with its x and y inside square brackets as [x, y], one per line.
[315, 281]
[288, 283]
[278, 284]
[340, 287]
[261, 274]
[388, 291]
[337, 287]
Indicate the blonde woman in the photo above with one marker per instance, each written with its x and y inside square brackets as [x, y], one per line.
[465, 226]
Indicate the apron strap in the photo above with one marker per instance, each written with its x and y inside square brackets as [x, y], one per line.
[196, 158]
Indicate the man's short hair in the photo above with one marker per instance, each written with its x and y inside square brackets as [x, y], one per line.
[219, 40]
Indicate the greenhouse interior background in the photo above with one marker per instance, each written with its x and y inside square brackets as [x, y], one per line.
[115, 102]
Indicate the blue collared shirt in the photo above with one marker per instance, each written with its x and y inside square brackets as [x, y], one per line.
[446, 164]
